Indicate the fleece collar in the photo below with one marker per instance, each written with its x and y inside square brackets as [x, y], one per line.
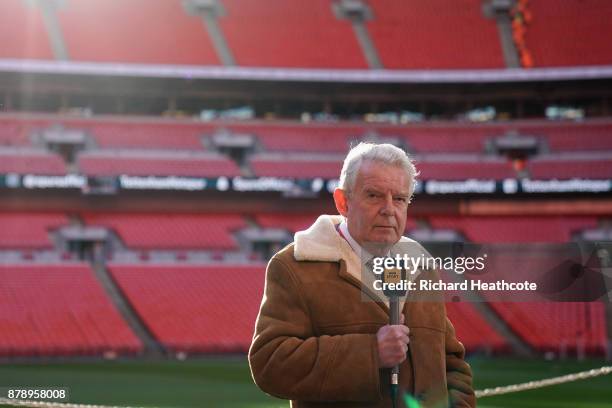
[321, 242]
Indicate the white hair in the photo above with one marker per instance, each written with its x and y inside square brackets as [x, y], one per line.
[384, 153]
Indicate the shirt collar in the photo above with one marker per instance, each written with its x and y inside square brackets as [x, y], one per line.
[364, 255]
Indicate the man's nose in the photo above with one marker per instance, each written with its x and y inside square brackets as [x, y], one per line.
[387, 205]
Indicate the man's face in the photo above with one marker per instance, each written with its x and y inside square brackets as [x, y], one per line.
[376, 209]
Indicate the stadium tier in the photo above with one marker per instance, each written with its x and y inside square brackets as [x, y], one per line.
[413, 34]
[559, 327]
[12, 133]
[295, 166]
[405, 34]
[31, 161]
[195, 308]
[290, 222]
[551, 167]
[52, 310]
[570, 32]
[479, 167]
[28, 40]
[143, 31]
[124, 162]
[295, 137]
[171, 231]
[514, 229]
[29, 230]
[290, 33]
[147, 135]
[473, 330]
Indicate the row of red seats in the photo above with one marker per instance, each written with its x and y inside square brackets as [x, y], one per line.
[146, 231]
[63, 310]
[293, 166]
[569, 33]
[58, 310]
[113, 132]
[559, 327]
[193, 308]
[407, 34]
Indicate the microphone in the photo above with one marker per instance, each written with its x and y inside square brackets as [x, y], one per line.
[392, 279]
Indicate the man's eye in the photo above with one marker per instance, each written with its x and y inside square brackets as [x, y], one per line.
[401, 199]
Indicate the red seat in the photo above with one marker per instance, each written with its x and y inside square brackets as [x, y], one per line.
[59, 310]
[195, 308]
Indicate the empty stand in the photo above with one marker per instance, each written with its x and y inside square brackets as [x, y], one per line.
[195, 308]
[296, 166]
[553, 168]
[12, 133]
[480, 168]
[289, 33]
[31, 162]
[135, 31]
[159, 164]
[23, 25]
[473, 330]
[171, 231]
[514, 229]
[296, 137]
[557, 326]
[437, 138]
[412, 34]
[147, 135]
[59, 310]
[290, 222]
[595, 135]
[28, 230]
[570, 33]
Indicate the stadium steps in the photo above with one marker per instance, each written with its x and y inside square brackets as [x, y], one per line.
[504, 28]
[125, 309]
[518, 345]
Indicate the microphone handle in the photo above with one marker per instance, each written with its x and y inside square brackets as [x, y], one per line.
[394, 319]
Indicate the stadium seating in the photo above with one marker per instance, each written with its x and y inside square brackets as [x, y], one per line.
[290, 222]
[12, 133]
[412, 34]
[295, 166]
[31, 162]
[296, 137]
[143, 31]
[558, 168]
[20, 230]
[569, 33]
[509, 229]
[593, 135]
[146, 135]
[475, 333]
[195, 308]
[289, 33]
[25, 28]
[111, 163]
[557, 327]
[171, 231]
[52, 310]
[479, 168]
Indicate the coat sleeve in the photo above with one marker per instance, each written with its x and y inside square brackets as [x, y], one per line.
[458, 372]
[289, 361]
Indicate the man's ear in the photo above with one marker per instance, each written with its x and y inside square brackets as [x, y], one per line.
[341, 200]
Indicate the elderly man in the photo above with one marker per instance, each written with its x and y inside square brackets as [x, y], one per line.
[317, 342]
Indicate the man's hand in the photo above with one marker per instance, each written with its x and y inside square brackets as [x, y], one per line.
[392, 344]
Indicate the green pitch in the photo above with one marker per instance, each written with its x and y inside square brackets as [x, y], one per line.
[227, 383]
